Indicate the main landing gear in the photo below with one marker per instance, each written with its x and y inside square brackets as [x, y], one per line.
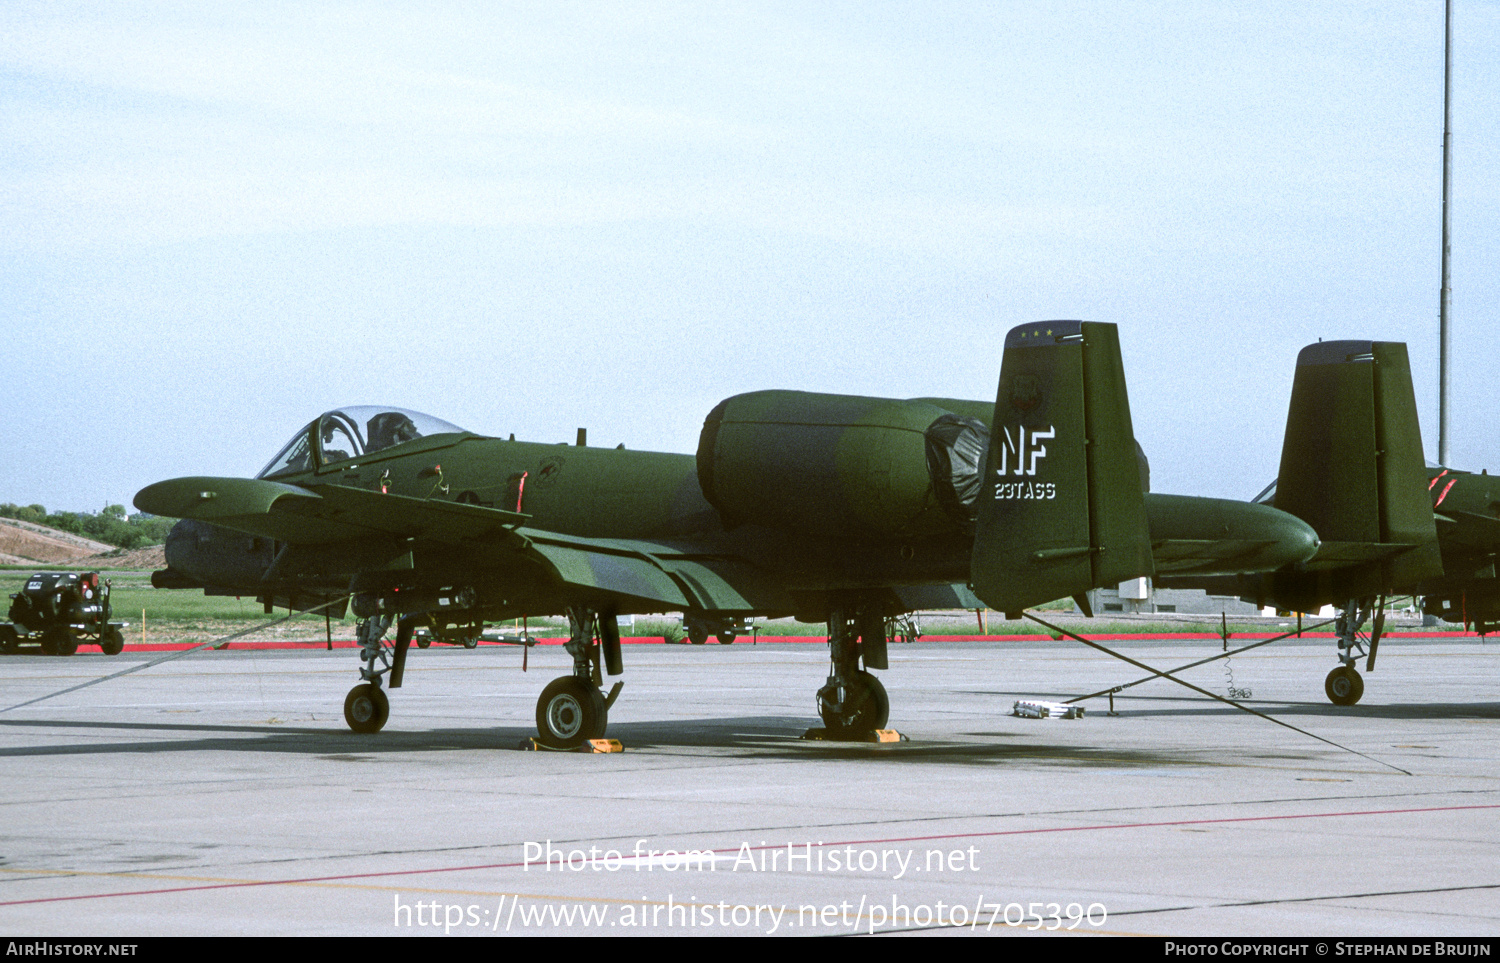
[570, 712]
[853, 703]
[1344, 686]
[572, 709]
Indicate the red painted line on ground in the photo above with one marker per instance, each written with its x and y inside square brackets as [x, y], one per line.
[821, 845]
[1159, 636]
[351, 644]
[819, 639]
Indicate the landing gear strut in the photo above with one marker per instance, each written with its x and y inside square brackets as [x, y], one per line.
[367, 708]
[853, 703]
[1344, 686]
[571, 709]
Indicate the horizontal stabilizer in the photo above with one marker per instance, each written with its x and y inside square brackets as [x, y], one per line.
[1334, 555]
[1470, 528]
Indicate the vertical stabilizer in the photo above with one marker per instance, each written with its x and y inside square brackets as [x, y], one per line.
[1062, 510]
[1352, 468]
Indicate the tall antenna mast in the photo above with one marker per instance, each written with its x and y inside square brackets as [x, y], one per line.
[1444, 342]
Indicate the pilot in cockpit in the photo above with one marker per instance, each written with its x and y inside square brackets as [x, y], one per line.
[390, 428]
[331, 430]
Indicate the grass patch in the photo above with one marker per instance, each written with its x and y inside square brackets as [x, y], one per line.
[168, 604]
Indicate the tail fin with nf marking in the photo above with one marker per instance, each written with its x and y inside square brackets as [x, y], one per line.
[1062, 510]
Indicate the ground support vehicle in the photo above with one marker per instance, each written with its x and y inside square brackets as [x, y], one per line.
[59, 611]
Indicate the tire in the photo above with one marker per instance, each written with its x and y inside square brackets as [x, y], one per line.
[111, 641]
[697, 634]
[569, 713]
[727, 637]
[1344, 686]
[9, 640]
[470, 641]
[59, 640]
[866, 708]
[366, 708]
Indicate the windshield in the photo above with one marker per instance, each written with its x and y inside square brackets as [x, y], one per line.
[350, 432]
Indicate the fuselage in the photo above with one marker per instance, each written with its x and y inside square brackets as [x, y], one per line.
[619, 494]
[595, 493]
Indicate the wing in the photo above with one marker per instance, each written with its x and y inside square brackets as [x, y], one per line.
[320, 514]
[665, 574]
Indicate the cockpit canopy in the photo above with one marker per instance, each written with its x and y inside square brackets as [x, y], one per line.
[350, 432]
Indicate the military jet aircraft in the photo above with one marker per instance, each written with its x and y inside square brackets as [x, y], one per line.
[1352, 468]
[828, 507]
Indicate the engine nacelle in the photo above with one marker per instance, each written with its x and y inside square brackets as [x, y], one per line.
[841, 464]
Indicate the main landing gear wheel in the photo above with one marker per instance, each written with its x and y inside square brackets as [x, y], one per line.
[1344, 686]
[864, 708]
[112, 641]
[570, 712]
[366, 708]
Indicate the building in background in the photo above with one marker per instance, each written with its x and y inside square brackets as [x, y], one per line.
[1139, 596]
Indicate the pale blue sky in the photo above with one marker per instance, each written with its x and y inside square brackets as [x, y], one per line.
[218, 220]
